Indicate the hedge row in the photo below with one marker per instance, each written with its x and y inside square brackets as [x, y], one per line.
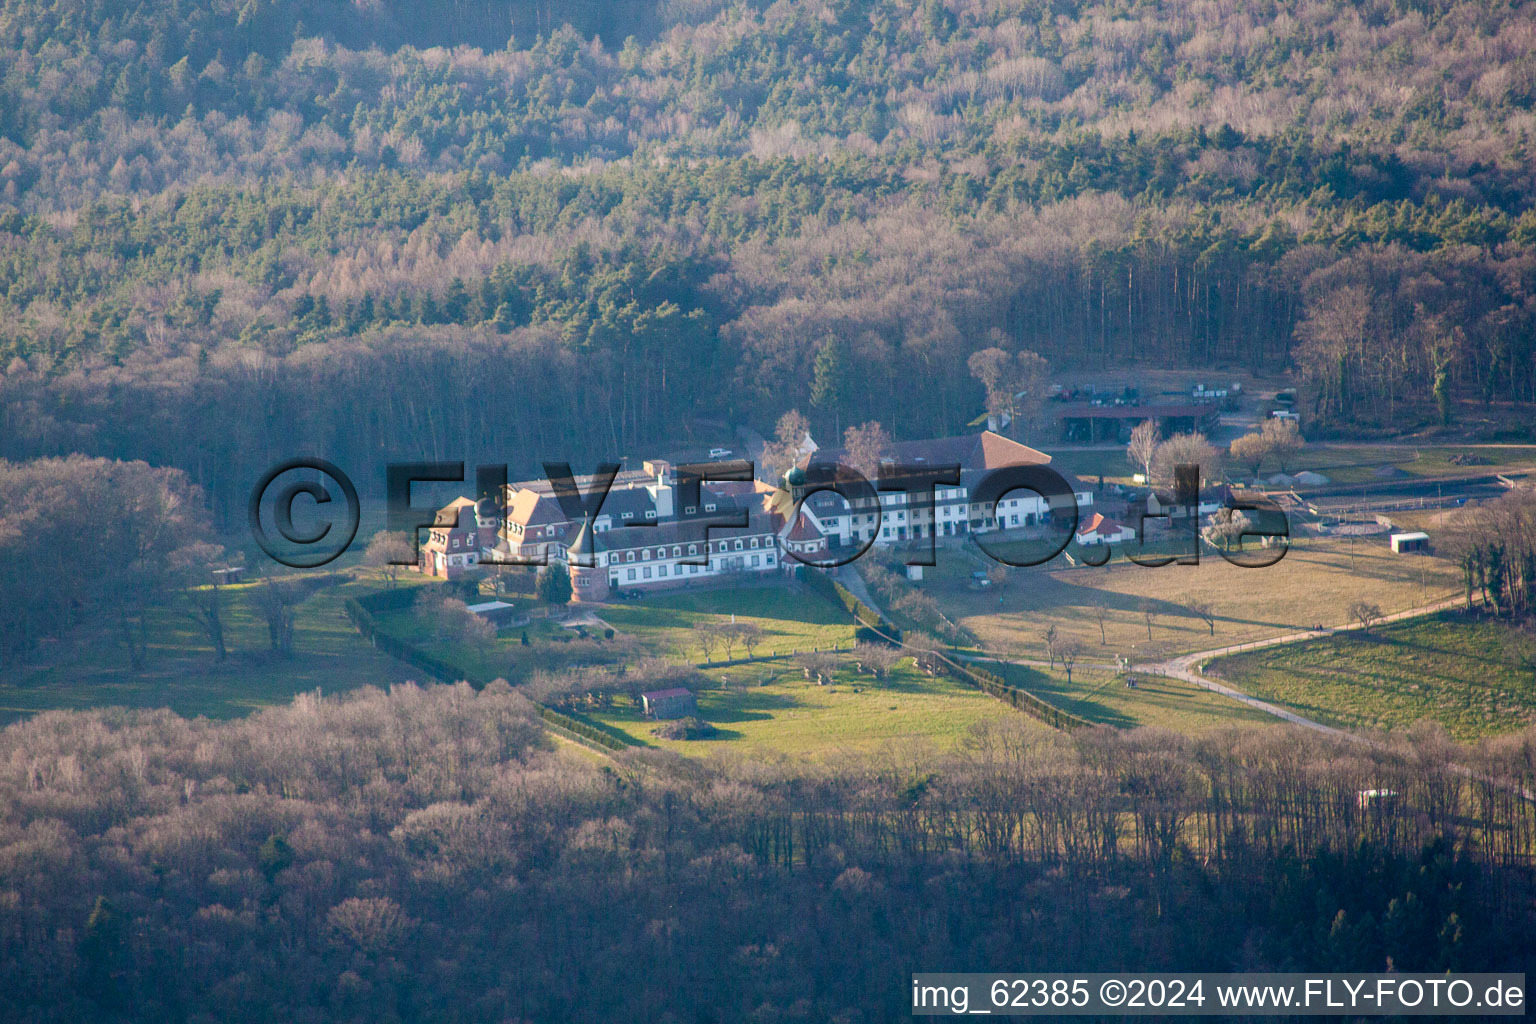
[839, 594]
[1022, 700]
[433, 666]
[580, 730]
[391, 600]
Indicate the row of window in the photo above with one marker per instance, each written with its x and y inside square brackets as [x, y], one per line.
[661, 571]
[693, 549]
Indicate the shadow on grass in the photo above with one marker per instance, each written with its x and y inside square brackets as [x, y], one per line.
[745, 705]
[1068, 698]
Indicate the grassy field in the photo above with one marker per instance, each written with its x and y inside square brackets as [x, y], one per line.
[771, 709]
[792, 619]
[1344, 464]
[1358, 464]
[1315, 583]
[1103, 697]
[1449, 668]
[88, 668]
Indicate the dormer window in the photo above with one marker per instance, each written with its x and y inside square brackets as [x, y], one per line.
[710, 507]
[650, 513]
[629, 515]
[690, 510]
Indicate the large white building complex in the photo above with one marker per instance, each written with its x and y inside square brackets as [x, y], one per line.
[644, 537]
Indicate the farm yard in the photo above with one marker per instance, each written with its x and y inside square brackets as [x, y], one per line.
[1453, 669]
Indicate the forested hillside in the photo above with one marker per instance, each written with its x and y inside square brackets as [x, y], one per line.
[420, 856]
[212, 214]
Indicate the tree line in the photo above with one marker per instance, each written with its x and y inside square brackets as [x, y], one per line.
[423, 853]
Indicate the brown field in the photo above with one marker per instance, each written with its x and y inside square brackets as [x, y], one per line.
[1315, 583]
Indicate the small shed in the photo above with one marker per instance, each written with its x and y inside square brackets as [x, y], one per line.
[677, 702]
[228, 575]
[498, 613]
[1405, 543]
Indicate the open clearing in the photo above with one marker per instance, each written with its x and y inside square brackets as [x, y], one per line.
[792, 716]
[88, 668]
[791, 618]
[1450, 668]
[1315, 583]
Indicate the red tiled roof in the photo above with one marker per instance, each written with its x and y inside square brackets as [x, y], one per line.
[804, 530]
[1096, 523]
[987, 450]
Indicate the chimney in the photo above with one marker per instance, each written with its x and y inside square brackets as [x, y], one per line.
[662, 488]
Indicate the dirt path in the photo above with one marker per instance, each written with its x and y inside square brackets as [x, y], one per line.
[1190, 667]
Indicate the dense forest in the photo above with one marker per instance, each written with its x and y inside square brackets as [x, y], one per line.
[160, 868]
[232, 231]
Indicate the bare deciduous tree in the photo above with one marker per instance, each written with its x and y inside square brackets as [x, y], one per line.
[1143, 447]
[1185, 450]
[785, 448]
[864, 446]
[275, 600]
[1100, 609]
[706, 635]
[1251, 450]
[1366, 614]
[387, 553]
[1284, 441]
[926, 651]
[202, 591]
[1204, 611]
[751, 636]
[817, 666]
[1068, 653]
[876, 659]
